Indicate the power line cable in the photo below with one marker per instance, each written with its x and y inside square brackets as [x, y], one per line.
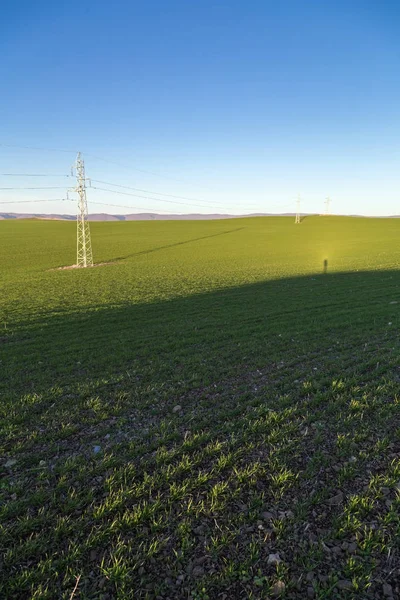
[109, 183]
[152, 198]
[169, 201]
[113, 162]
[57, 187]
[112, 184]
[37, 148]
[135, 207]
[29, 201]
[71, 200]
[100, 158]
[282, 205]
[34, 175]
[142, 208]
[92, 202]
[127, 187]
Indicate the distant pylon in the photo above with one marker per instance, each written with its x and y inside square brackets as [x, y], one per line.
[327, 203]
[84, 256]
[298, 220]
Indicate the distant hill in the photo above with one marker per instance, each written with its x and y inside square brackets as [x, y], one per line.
[157, 216]
[43, 217]
[133, 217]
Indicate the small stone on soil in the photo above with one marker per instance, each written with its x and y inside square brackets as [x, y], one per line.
[336, 500]
[267, 516]
[387, 590]
[198, 572]
[352, 548]
[344, 584]
[278, 589]
[274, 559]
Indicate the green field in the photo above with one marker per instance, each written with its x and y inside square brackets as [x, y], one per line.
[209, 416]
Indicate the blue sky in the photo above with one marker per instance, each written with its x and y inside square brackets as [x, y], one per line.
[240, 105]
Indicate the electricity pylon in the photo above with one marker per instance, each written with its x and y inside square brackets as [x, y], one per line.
[298, 220]
[84, 256]
[327, 203]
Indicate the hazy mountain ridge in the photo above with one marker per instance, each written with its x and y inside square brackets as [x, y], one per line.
[132, 217]
[160, 217]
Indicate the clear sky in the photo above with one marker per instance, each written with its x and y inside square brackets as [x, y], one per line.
[240, 105]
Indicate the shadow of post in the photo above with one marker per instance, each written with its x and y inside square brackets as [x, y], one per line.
[176, 244]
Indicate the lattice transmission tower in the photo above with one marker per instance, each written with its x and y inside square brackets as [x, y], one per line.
[327, 203]
[298, 219]
[84, 255]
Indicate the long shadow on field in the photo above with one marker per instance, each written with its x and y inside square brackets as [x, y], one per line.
[204, 237]
[194, 341]
[89, 412]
